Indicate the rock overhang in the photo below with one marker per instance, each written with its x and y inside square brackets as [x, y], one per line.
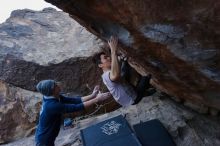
[176, 41]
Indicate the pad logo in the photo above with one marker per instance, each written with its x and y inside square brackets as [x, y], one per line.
[110, 128]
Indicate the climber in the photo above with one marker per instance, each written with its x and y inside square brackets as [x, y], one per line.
[54, 105]
[116, 79]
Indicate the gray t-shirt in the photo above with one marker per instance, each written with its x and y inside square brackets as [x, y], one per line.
[122, 92]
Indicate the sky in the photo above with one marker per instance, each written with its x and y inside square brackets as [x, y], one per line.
[7, 6]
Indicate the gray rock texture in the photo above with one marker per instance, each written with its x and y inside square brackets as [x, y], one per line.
[36, 45]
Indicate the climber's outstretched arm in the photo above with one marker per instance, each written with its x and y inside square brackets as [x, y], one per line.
[115, 69]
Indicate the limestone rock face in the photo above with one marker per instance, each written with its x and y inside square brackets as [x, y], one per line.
[36, 45]
[176, 41]
[19, 111]
[186, 127]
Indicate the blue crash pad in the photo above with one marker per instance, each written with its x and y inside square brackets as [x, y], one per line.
[111, 132]
[153, 133]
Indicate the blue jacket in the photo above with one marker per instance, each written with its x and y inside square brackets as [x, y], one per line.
[51, 115]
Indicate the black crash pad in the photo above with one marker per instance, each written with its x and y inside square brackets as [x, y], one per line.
[153, 133]
[112, 132]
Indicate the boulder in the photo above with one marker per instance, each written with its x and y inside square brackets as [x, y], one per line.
[47, 44]
[176, 41]
[19, 111]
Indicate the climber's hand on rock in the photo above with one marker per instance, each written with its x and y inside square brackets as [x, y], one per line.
[113, 42]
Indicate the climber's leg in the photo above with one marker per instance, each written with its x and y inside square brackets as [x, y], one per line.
[143, 84]
[125, 70]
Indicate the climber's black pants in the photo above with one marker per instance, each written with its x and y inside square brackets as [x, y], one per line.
[142, 85]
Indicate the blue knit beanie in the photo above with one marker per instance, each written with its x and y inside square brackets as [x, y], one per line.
[46, 87]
